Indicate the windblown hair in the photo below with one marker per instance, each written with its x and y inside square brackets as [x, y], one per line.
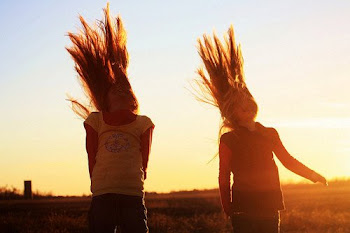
[101, 61]
[224, 85]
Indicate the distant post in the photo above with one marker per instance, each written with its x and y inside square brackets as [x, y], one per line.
[28, 189]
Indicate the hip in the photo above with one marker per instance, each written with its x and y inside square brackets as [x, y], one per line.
[268, 222]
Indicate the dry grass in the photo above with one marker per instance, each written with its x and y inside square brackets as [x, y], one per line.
[310, 208]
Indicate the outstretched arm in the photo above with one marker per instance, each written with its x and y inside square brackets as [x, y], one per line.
[146, 142]
[225, 177]
[293, 164]
[91, 146]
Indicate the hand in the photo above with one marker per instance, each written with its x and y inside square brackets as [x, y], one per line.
[318, 178]
[323, 180]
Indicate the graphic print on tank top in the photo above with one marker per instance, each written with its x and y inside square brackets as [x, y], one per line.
[117, 142]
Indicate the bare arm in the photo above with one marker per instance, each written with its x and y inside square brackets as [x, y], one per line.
[293, 164]
[146, 142]
[91, 146]
[225, 177]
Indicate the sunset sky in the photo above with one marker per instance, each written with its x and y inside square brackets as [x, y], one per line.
[297, 64]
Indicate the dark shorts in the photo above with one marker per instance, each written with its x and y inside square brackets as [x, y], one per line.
[242, 223]
[111, 211]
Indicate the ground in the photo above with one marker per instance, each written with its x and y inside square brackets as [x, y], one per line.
[310, 208]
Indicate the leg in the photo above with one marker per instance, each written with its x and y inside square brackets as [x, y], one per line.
[102, 214]
[133, 215]
[271, 225]
[243, 224]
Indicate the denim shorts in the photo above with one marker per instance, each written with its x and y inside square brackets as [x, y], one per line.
[119, 213]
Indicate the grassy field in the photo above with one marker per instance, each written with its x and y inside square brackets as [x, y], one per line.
[310, 208]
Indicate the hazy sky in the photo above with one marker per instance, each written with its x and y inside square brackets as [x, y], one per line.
[297, 63]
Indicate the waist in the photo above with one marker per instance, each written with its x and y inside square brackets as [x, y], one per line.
[129, 191]
[128, 182]
[120, 199]
[253, 201]
[257, 181]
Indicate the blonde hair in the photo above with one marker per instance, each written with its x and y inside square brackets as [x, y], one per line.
[101, 61]
[224, 85]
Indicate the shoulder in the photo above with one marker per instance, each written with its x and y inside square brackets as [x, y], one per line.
[144, 123]
[93, 115]
[144, 119]
[268, 132]
[228, 137]
[224, 136]
[93, 120]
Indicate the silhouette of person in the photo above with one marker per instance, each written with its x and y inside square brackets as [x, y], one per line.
[246, 148]
[118, 140]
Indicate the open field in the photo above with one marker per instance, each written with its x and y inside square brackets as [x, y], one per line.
[310, 208]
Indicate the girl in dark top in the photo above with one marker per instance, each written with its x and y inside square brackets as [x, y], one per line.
[247, 148]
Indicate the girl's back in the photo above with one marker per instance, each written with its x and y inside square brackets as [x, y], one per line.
[119, 165]
[256, 182]
[247, 151]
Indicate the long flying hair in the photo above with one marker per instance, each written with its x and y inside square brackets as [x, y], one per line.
[223, 84]
[101, 61]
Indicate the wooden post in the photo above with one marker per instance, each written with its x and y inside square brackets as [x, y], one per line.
[28, 189]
